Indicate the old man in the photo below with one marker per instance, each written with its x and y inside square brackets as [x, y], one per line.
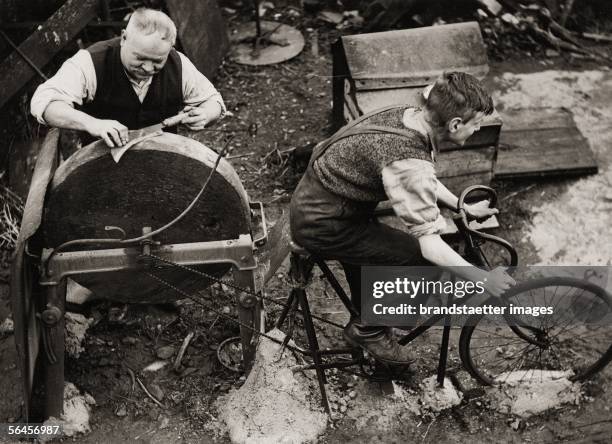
[127, 83]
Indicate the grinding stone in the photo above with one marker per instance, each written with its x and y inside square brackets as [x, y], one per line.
[151, 185]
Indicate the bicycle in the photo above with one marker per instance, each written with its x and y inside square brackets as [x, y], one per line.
[494, 348]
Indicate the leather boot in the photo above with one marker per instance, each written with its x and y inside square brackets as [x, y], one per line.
[377, 342]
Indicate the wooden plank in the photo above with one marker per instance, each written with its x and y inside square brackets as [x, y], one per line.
[542, 142]
[466, 161]
[202, 32]
[516, 119]
[43, 44]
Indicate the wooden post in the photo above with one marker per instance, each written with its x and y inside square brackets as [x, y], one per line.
[201, 31]
[43, 44]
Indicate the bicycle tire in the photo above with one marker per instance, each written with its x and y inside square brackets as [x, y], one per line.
[601, 306]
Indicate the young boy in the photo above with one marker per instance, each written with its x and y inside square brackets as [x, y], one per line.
[389, 154]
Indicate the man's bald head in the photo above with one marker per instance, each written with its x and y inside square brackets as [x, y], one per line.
[146, 43]
[150, 21]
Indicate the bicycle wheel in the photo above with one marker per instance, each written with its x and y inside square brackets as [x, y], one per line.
[576, 338]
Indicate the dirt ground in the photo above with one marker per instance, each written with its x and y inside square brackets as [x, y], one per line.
[291, 103]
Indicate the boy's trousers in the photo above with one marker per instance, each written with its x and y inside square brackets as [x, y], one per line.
[334, 227]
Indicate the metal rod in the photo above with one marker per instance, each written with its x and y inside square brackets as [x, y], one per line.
[444, 345]
[354, 311]
[54, 372]
[257, 20]
[314, 346]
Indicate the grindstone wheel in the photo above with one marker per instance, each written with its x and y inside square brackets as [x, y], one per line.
[152, 184]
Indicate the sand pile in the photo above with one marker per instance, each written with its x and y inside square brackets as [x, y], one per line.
[274, 405]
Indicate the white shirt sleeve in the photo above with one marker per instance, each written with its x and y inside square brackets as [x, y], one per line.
[74, 83]
[411, 186]
[197, 89]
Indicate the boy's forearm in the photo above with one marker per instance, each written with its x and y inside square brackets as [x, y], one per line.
[446, 197]
[439, 253]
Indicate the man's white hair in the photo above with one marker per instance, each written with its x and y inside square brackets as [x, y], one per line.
[149, 21]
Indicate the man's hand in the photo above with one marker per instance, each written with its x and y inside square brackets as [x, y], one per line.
[112, 132]
[480, 210]
[498, 282]
[196, 118]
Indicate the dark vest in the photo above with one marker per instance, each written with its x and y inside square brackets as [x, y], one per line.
[116, 99]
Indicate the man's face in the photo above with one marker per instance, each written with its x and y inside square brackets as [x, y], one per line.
[143, 55]
[460, 131]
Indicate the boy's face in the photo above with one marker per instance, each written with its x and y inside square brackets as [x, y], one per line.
[460, 131]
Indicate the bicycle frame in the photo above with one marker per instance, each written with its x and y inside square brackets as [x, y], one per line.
[473, 239]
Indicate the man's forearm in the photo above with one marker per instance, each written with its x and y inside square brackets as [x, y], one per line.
[62, 115]
[212, 108]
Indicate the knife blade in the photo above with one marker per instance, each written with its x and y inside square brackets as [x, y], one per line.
[137, 136]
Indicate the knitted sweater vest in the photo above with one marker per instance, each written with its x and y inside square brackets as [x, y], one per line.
[352, 166]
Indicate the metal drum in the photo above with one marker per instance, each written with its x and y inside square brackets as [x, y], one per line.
[151, 185]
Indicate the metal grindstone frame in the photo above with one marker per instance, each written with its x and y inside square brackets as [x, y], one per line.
[57, 267]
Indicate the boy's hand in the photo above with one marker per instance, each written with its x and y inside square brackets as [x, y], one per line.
[498, 282]
[480, 210]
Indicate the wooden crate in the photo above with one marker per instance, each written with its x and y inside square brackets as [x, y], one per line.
[375, 70]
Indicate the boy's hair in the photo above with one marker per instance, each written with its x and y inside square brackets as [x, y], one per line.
[457, 94]
[148, 21]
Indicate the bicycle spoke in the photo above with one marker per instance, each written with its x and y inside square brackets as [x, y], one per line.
[574, 337]
[548, 320]
[495, 334]
[518, 341]
[570, 320]
[511, 356]
[510, 368]
[485, 352]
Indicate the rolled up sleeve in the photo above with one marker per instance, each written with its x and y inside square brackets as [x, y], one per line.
[411, 186]
[197, 89]
[74, 83]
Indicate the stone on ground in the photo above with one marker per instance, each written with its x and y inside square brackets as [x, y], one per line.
[435, 398]
[76, 328]
[525, 395]
[375, 412]
[274, 405]
[75, 419]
